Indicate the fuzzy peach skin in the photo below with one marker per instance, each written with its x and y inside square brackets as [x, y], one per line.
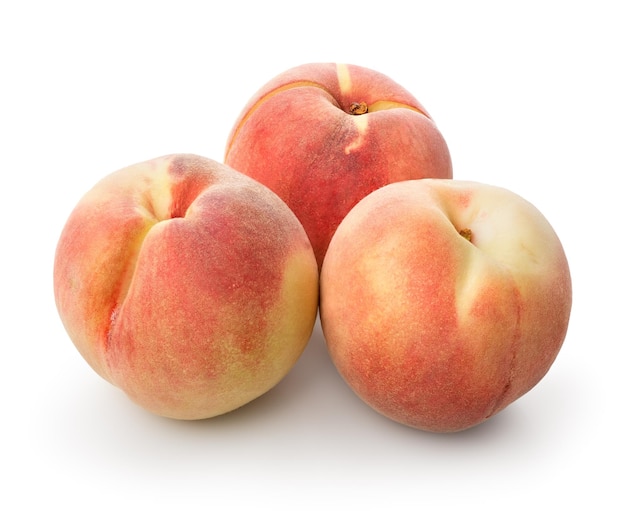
[324, 135]
[444, 301]
[188, 285]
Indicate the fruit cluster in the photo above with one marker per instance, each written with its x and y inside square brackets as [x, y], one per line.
[194, 285]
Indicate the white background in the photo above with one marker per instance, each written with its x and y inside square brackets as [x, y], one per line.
[529, 96]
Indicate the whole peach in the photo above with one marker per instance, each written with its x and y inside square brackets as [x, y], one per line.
[324, 135]
[444, 301]
[188, 285]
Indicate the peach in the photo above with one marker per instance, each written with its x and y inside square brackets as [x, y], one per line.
[324, 135]
[444, 301]
[188, 285]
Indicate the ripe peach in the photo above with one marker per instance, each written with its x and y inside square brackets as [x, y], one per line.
[324, 135]
[444, 301]
[188, 285]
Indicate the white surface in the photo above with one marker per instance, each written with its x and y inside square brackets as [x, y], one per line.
[529, 96]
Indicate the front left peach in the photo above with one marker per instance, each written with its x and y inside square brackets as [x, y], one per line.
[188, 285]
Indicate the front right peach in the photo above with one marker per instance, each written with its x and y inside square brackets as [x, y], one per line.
[443, 301]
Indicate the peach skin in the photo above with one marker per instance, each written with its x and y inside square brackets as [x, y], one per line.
[324, 135]
[188, 285]
[444, 301]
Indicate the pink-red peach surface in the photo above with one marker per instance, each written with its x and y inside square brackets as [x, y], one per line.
[444, 301]
[188, 285]
[324, 135]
